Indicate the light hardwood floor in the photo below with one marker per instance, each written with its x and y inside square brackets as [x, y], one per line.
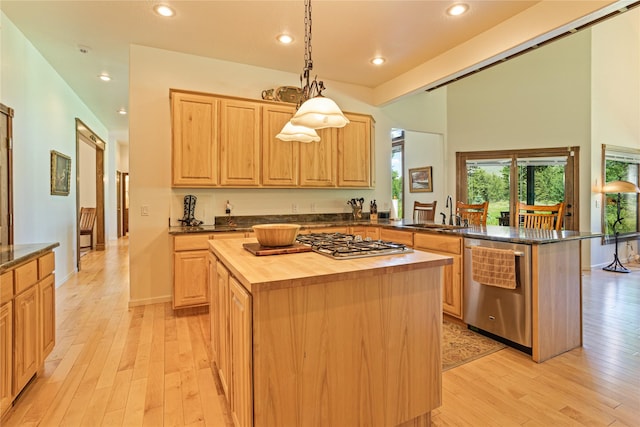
[150, 365]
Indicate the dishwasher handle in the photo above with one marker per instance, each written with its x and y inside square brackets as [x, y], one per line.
[516, 253]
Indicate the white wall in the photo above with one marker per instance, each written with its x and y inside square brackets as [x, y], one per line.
[152, 73]
[45, 113]
[424, 149]
[615, 115]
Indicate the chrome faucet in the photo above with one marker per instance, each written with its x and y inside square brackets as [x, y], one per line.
[449, 205]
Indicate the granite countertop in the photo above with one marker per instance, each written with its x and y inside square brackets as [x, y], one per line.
[490, 232]
[13, 255]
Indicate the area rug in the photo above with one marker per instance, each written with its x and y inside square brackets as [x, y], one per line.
[461, 345]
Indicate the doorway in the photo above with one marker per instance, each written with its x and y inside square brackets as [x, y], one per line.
[6, 184]
[504, 178]
[122, 211]
[93, 178]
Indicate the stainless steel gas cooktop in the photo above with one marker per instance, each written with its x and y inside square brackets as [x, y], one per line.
[349, 246]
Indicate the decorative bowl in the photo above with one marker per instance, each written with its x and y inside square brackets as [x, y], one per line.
[275, 235]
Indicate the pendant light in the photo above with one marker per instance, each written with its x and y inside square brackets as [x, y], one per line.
[292, 132]
[315, 111]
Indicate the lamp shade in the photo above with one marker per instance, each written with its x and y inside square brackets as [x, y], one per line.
[620, 187]
[319, 113]
[292, 132]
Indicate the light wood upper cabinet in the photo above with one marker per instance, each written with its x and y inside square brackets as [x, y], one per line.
[220, 141]
[240, 140]
[194, 139]
[318, 160]
[354, 152]
[280, 159]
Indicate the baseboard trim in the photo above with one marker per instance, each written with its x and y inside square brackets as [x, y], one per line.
[149, 301]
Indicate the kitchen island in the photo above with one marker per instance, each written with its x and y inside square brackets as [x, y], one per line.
[303, 339]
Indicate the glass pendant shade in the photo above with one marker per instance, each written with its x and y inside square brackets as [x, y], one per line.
[291, 132]
[620, 187]
[319, 113]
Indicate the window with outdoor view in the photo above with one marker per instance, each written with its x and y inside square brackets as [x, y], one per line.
[621, 164]
[397, 166]
[504, 178]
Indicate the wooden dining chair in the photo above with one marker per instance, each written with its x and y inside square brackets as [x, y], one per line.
[87, 222]
[476, 214]
[424, 212]
[545, 217]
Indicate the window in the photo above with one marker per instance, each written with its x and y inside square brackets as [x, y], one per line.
[620, 164]
[504, 178]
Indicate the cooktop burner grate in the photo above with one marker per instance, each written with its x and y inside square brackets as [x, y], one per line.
[348, 246]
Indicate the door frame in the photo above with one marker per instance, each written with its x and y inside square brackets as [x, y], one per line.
[571, 184]
[84, 133]
[9, 112]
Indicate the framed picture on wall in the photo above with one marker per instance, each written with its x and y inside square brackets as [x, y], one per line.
[420, 180]
[60, 174]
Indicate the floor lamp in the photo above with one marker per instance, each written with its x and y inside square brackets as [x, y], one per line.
[618, 187]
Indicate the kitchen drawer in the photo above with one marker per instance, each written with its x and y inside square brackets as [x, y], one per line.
[397, 236]
[46, 265]
[191, 242]
[229, 235]
[26, 276]
[437, 242]
[6, 287]
[324, 230]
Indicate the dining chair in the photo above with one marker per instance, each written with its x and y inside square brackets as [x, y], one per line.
[475, 214]
[545, 217]
[424, 212]
[87, 222]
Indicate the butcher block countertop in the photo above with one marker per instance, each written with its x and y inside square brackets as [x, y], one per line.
[257, 273]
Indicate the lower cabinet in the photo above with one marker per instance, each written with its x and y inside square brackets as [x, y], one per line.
[26, 333]
[231, 342]
[191, 269]
[240, 399]
[27, 324]
[6, 356]
[450, 246]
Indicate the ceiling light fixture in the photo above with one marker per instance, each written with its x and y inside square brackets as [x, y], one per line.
[122, 111]
[285, 39]
[315, 111]
[378, 60]
[163, 10]
[457, 9]
[104, 77]
[297, 133]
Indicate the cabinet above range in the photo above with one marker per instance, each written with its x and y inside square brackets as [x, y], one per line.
[221, 141]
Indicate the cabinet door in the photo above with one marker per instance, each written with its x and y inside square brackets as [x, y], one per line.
[239, 143]
[47, 316]
[241, 401]
[318, 160]
[6, 356]
[224, 369]
[280, 159]
[191, 278]
[452, 290]
[373, 233]
[194, 147]
[354, 152]
[214, 308]
[26, 332]
[397, 236]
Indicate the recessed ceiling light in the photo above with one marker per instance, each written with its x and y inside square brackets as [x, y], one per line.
[285, 39]
[457, 9]
[122, 111]
[105, 77]
[163, 10]
[378, 60]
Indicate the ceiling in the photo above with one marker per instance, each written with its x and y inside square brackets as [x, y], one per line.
[346, 35]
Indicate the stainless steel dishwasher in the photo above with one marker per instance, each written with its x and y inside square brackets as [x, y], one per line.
[503, 313]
